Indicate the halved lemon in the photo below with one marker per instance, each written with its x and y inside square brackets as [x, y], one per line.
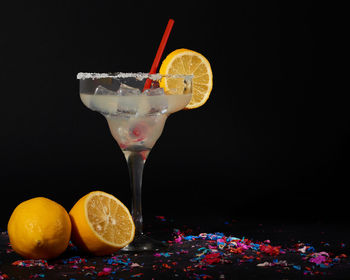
[187, 62]
[101, 224]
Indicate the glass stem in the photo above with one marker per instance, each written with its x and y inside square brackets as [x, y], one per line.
[136, 162]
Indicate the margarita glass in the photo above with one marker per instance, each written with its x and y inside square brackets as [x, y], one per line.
[136, 119]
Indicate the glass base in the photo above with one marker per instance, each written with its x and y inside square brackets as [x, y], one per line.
[144, 243]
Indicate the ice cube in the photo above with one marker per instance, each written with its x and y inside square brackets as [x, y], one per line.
[154, 91]
[127, 104]
[158, 101]
[126, 90]
[100, 90]
[159, 105]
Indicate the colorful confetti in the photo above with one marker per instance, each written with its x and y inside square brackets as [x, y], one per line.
[31, 263]
[193, 256]
[3, 276]
[228, 246]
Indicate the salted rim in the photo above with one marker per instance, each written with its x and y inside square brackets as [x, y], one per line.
[138, 75]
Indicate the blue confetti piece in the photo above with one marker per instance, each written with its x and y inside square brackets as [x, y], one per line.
[312, 249]
[297, 267]
[255, 247]
[190, 237]
[232, 238]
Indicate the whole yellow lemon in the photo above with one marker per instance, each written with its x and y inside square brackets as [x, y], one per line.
[39, 228]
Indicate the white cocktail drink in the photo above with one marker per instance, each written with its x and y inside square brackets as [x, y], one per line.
[136, 122]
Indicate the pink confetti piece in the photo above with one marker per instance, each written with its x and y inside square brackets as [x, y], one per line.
[178, 239]
[107, 269]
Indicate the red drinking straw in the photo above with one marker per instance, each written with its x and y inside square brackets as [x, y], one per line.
[159, 52]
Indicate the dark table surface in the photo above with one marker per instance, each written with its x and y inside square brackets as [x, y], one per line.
[259, 250]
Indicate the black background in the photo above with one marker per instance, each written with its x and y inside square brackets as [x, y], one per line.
[271, 142]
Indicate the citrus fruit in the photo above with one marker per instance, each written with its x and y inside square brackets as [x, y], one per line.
[187, 62]
[39, 228]
[101, 224]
